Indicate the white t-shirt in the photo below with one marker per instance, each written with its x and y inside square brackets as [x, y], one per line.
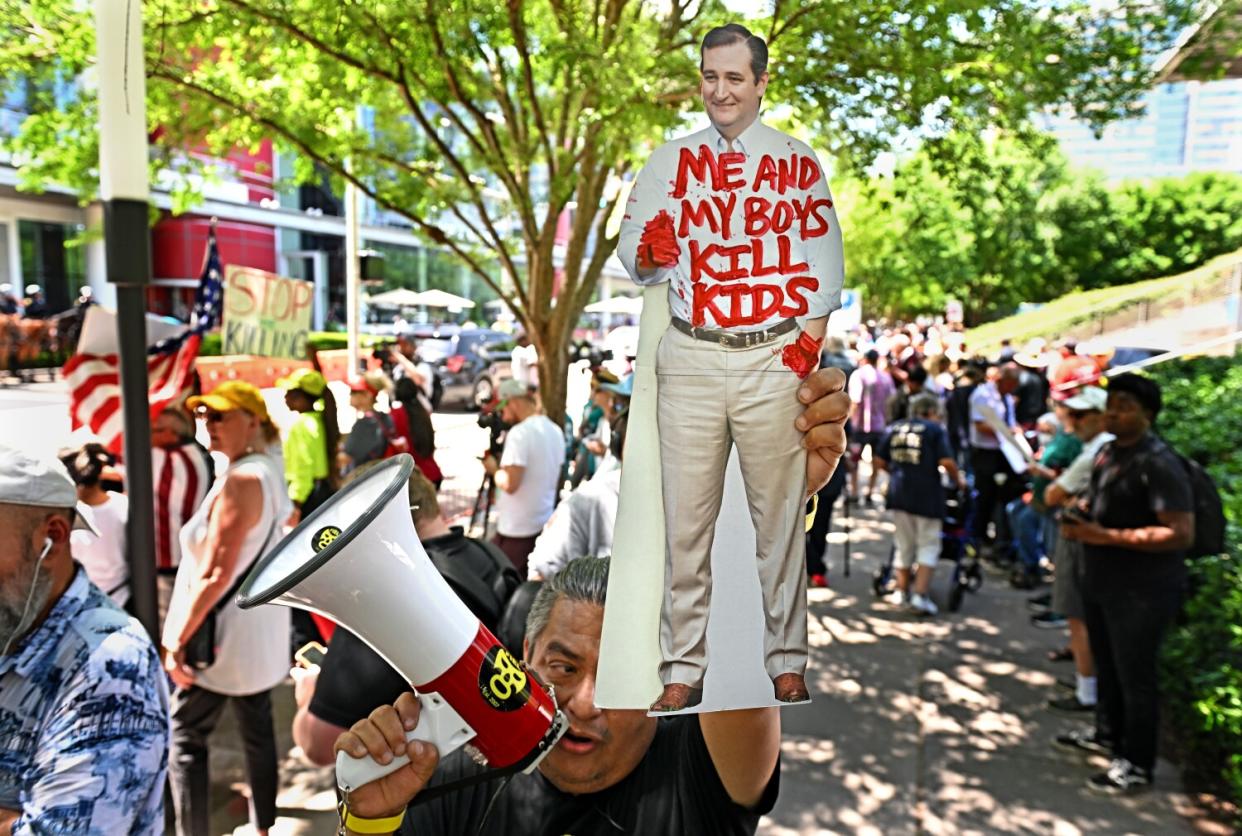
[103, 557]
[252, 650]
[581, 527]
[537, 445]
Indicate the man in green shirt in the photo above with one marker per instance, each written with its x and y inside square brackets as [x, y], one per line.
[310, 445]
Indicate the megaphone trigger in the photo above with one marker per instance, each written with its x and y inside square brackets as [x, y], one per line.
[438, 724]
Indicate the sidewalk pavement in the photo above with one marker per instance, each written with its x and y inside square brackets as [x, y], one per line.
[937, 725]
[917, 726]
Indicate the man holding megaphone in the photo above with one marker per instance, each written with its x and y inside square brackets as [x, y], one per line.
[613, 771]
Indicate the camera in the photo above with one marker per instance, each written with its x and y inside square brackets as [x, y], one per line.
[496, 427]
[593, 355]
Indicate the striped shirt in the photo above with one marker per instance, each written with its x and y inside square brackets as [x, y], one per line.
[182, 477]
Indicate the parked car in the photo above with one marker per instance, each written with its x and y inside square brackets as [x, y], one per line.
[468, 365]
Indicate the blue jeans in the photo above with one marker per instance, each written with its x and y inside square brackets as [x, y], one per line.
[1027, 526]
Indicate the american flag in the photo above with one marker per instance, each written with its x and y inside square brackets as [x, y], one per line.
[94, 379]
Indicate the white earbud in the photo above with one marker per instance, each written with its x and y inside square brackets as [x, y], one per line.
[47, 547]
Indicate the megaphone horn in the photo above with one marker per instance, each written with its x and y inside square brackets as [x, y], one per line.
[358, 561]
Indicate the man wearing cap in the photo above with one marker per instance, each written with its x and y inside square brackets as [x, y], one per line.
[528, 473]
[1086, 412]
[83, 702]
[36, 305]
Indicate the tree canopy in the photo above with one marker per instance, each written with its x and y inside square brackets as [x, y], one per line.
[481, 122]
[1012, 223]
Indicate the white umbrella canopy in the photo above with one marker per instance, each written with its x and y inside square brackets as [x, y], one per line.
[442, 299]
[401, 298]
[625, 305]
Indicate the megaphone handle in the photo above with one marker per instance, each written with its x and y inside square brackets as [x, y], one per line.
[438, 724]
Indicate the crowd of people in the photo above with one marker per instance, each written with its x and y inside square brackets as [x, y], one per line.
[78, 661]
[1067, 481]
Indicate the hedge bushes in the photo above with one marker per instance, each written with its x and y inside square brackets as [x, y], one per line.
[317, 341]
[1202, 668]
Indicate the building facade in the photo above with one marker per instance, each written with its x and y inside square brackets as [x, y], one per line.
[1187, 126]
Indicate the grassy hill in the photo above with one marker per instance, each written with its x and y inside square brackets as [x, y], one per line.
[1075, 309]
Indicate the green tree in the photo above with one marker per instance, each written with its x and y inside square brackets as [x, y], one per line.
[481, 121]
[978, 230]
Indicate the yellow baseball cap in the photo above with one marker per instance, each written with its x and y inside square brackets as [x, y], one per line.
[231, 395]
[308, 380]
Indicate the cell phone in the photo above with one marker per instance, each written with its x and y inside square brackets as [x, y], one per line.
[310, 654]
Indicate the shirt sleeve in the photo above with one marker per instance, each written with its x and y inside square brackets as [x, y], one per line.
[647, 197]
[102, 759]
[883, 451]
[825, 254]
[1077, 477]
[976, 398]
[943, 450]
[517, 447]
[299, 462]
[353, 681]
[557, 544]
[1168, 484]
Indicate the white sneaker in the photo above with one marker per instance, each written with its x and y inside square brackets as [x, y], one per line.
[922, 605]
[897, 598]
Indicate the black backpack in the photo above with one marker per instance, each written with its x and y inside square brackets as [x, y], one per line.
[1209, 511]
[486, 581]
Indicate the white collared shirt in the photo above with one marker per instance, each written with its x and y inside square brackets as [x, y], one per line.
[752, 253]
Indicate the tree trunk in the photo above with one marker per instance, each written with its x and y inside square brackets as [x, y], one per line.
[553, 378]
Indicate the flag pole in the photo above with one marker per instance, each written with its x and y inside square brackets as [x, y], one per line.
[127, 246]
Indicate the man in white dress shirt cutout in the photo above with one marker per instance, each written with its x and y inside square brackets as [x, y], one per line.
[739, 221]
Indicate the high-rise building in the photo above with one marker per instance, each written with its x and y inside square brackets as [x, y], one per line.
[1186, 126]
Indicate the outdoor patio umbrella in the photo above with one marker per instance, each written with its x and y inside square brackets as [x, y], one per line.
[400, 298]
[624, 305]
[442, 299]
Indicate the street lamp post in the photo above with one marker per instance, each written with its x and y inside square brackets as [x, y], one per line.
[127, 247]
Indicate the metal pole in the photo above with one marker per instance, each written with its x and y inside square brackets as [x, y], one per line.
[127, 246]
[353, 275]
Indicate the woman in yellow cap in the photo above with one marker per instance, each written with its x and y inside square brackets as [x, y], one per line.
[310, 446]
[237, 656]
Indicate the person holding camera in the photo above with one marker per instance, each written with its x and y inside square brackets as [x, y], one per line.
[215, 652]
[527, 474]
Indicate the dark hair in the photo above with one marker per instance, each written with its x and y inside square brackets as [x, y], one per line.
[86, 463]
[872, 356]
[422, 433]
[733, 33]
[617, 444]
[1143, 389]
[918, 374]
[331, 436]
[583, 579]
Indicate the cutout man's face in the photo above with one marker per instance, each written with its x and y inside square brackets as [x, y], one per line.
[730, 92]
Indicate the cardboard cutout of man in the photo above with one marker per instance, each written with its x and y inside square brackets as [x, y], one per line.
[739, 221]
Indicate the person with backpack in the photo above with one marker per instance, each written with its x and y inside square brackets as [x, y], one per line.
[354, 680]
[374, 435]
[1136, 527]
[412, 422]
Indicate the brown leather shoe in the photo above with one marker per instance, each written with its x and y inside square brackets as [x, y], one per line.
[791, 688]
[677, 696]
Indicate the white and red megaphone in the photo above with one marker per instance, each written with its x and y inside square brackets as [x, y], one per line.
[358, 561]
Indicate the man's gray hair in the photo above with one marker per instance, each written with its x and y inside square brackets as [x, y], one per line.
[584, 579]
[925, 405]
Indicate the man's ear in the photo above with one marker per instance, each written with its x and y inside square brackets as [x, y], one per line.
[526, 650]
[58, 528]
[762, 83]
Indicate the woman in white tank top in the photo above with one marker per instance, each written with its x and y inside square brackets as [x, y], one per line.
[238, 522]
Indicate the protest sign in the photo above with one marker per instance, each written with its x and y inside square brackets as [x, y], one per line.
[265, 314]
